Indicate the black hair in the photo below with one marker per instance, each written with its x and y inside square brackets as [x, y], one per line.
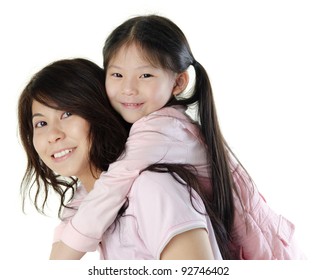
[76, 86]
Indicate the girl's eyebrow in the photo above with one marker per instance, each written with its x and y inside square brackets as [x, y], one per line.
[139, 67]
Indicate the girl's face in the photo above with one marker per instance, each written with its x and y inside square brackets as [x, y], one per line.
[135, 87]
[62, 141]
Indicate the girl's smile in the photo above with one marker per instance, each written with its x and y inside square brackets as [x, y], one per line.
[132, 105]
[135, 87]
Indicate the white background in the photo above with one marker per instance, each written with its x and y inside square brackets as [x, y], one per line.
[261, 59]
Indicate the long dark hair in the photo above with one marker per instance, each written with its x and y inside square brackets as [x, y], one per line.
[77, 86]
[164, 45]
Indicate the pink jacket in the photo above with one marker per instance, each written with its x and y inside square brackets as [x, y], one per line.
[168, 135]
[259, 233]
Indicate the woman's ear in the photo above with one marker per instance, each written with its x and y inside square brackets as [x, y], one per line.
[181, 83]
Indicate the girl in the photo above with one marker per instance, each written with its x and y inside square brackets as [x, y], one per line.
[71, 134]
[146, 61]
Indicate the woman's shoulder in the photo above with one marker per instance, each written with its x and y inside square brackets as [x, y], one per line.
[155, 191]
[149, 185]
[162, 208]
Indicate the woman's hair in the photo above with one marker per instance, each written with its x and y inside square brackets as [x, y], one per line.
[164, 45]
[76, 86]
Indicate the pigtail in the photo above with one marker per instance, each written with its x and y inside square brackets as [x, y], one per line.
[217, 152]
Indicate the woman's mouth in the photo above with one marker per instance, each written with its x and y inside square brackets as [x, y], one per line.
[62, 153]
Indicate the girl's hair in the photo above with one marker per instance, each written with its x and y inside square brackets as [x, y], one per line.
[164, 45]
[77, 86]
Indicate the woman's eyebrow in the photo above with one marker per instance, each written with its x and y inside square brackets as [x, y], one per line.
[37, 115]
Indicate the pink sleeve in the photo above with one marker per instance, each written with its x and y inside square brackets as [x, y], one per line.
[155, 138]
[59, 231]
[68, 212]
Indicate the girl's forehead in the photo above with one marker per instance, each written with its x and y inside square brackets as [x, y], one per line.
[135, 51]
[129, 49]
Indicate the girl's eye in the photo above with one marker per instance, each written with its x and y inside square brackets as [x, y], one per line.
[66, 115]
[40, 124]
[146, 76]
[117, 75]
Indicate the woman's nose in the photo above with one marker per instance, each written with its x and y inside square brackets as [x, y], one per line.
[55, 134]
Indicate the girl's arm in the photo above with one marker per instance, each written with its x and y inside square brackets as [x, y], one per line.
[155, 138]
[190, 245]
[60, 251]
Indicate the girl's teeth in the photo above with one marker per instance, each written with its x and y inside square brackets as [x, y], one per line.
[62, 153]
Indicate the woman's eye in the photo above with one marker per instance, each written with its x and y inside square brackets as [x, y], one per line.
[117, 75]
[146, 76]
[40, 124]
[66, 115]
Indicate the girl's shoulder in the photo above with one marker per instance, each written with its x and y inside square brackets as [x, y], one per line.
[172, 112]
[168, 120]
[176, 111]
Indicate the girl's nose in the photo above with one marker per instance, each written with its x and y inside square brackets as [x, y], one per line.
[129, 87]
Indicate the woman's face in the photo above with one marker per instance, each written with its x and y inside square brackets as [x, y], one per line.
[62, 141]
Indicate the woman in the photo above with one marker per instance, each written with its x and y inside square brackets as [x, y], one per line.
[71, 134]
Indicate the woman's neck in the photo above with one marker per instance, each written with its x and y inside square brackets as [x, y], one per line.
[88, 181]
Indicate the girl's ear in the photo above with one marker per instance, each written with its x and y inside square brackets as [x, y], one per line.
[181, 83]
